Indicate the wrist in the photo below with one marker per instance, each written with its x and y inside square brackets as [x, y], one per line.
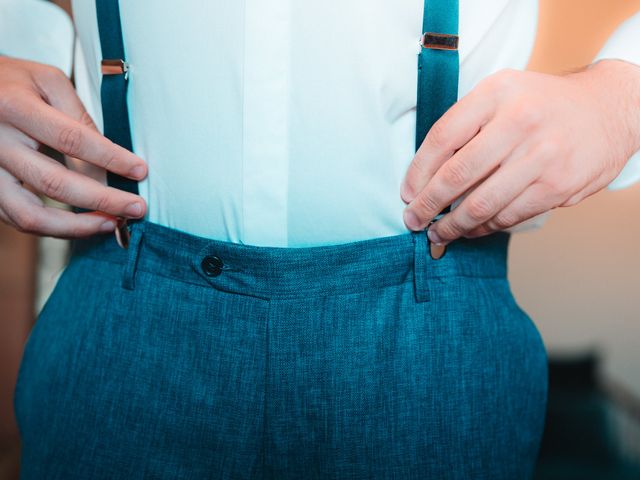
[616, 84]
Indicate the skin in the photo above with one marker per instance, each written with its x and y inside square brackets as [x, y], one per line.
[39, 106]
[521, 144]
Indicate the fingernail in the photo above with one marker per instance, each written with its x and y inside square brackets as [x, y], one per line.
[411, 220]
[434, 237]
[108, 226]
[133, 209]
[137, 171]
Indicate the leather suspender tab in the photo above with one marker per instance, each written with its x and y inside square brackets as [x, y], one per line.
[114, 67]
[439, 41]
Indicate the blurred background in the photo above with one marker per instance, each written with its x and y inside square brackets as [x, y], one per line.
[578, 277]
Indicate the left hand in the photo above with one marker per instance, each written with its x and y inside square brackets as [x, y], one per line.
[523, 143]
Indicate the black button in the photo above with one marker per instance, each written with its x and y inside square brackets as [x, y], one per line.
[212, 266]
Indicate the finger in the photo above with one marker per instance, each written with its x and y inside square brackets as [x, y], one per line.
[55, 129]
[58, 91]
[480, 231]
[26, 212]
[489, 198]
[534, 201]
[592, 187]
[5, 180]
[59, 183]
[454, 129]
[9, 134]
[5, 219]
[471, 164]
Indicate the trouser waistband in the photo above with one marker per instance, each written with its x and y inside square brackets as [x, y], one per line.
[270, 272]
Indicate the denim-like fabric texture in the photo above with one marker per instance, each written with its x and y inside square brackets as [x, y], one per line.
[367, 360]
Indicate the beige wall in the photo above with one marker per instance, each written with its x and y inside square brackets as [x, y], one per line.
[579, 276]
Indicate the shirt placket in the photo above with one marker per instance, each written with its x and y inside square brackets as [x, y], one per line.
[266, 122]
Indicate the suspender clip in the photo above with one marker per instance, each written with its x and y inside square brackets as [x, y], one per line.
[115, 67]
[123, 234]
[439, 41]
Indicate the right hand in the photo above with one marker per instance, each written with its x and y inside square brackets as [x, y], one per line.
[38, 105]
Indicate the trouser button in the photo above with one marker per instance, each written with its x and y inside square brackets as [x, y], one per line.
[211, 265]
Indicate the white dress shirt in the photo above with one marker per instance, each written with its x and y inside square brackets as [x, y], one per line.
[286, 122]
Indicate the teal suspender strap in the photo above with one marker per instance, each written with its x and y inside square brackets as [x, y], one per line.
[438, 66]
[113, 95]
[113, 91]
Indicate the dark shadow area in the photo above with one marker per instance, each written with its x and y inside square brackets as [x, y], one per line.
[592, 429]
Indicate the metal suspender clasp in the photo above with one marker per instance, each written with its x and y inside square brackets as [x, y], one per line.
[115, 67]
[439, 41]
[123, 234]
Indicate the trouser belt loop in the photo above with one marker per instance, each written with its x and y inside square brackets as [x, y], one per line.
[135, 243]
[420, 274]
[430, 272]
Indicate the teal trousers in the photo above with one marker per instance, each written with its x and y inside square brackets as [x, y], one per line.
[184, 357]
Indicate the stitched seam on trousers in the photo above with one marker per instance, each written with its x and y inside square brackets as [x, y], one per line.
[266, 389]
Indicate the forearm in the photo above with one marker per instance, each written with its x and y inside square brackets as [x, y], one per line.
[619, 81]
[624, 47]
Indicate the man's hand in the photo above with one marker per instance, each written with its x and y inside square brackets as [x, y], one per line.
[38, 105]
[523, 143]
